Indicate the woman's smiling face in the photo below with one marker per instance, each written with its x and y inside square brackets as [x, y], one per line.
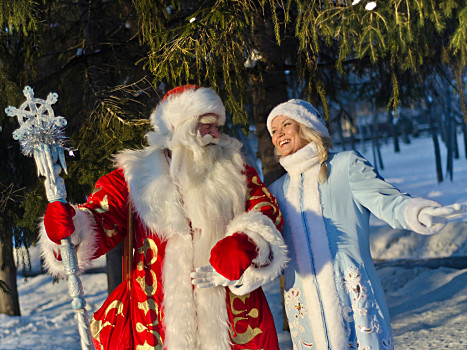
[285, 135]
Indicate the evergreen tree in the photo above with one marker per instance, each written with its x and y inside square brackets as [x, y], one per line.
[378, 54]
[86, 52]
[16, 21]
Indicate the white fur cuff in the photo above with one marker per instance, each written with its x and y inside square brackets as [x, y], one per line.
[411, 211]
[84, 238]
[272, 251]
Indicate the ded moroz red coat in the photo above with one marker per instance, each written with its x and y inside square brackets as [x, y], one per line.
[159, 308]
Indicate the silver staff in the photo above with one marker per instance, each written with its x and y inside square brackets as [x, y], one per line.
[41, 136]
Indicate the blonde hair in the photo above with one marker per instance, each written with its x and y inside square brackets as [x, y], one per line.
[323, 144]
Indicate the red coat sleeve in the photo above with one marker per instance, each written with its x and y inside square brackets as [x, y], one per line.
[260, 199]
[109, 205]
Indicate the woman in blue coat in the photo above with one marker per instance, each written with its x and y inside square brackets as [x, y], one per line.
[333, 297]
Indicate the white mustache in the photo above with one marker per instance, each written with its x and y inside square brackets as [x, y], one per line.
[208, 140]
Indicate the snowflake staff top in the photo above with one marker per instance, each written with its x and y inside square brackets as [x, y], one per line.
[41, 135]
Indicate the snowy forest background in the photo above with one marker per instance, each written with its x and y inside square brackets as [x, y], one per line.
[388, 78]
[424, 278]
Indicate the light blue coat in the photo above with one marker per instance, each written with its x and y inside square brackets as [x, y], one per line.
[333, 296]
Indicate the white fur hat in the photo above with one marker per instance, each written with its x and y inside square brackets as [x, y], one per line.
[302, 112]
[182, 104]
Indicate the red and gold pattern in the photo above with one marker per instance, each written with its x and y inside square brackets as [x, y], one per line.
[260, 199]
[111, 325]
[148, 294]
[132, 317]
[143, 330]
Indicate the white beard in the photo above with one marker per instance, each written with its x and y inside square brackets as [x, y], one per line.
[212, 185]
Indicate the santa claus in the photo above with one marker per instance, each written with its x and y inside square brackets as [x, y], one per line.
[201, 231]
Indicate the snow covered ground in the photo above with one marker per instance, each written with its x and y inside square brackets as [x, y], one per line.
[428, 307]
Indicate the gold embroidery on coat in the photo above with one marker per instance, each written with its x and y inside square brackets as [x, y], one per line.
[149, 290]
[116, 304]
[258, 207]
[140, 328]
[266, 192]
[110, 232]
[96, 327]
[149, 304]
[272, 204]
[255, 180]
[148, 244]
[104, 205]
[97, 189]
[250, 333]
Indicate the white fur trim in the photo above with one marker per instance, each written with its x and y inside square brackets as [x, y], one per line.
[300, 161]
[208, 119]
[411, 211]
[315, 268]
[213, 321]
[178, 304]
[302, 112]
[84, 239]
[153, 192]
[201, 313]
[179, 108]
[261, 230]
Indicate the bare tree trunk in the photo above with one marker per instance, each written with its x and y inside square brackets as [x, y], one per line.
[339, 129]
[97, 81]
[113, 261]
[9, 301]
[450, 147]
[269, 88]
[394, 132]
[377, 157]
[434, 136]
[262, 104]
[464, 132]
[450, 131]
[456, 144]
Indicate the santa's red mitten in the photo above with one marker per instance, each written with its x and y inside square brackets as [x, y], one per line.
[232, 255]
[58, 221]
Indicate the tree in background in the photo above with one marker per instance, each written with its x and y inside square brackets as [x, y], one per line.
[15, 173]
[389, 53]
[380, 52]
[86, 52]
[209, 43]
[110, 61]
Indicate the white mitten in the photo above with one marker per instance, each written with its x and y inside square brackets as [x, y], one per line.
[206, 277]
[431, 216]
